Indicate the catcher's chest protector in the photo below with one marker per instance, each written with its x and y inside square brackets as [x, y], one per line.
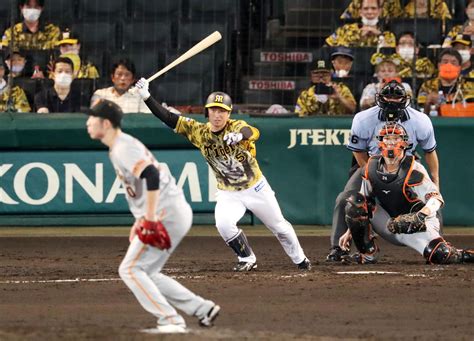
[393, 191]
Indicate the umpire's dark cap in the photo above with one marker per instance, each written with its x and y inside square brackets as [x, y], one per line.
[108, 110]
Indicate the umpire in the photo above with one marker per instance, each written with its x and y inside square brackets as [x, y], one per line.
[392, 105]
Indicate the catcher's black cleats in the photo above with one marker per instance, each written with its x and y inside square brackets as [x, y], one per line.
[468, 256]
[244, 266]
[305, 265]
[336, 254]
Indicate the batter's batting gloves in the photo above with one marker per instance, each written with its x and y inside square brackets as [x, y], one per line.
[142, 88]
[233, 138]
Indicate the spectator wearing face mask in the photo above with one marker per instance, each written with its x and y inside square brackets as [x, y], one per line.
[407, 49]
[386, 71]
[15, 60]
[449, 86]
[324, 97]
[16, 97]
[32, 33]
[61, 97]
[341, 60]
[390, 9]
[435, 9]
[366, 32]
[466, 28]
[70, 47]
[462, 43]
[123, 77]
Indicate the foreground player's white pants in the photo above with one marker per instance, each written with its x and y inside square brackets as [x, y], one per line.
[261, 201]
[156, 292]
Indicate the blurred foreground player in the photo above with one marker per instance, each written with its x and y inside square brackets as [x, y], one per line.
[163, 217]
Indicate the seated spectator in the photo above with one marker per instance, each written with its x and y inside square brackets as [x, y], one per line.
[11, 100]
[449, 86]
[462, 43]
[435, 9]
[466, 28]
[366, 32]
[70, 47]
[324, 97]
[32, 33]
[386, 70]
[407, 49]
[341, 60]
[123, 77]
[60, 98]
[390, 9]
[15, 60]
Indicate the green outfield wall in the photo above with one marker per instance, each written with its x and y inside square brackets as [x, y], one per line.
[50, 168]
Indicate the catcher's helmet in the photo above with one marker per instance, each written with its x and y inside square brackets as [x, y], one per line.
[393, 100]
[396, 149]
[218, 99]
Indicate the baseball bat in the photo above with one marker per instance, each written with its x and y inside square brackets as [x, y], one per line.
[201, 46]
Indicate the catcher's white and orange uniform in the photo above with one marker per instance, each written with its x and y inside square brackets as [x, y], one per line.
[141, 267]
[420, 192]
[241, 184]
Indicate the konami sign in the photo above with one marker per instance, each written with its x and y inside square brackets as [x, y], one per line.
[280, 57]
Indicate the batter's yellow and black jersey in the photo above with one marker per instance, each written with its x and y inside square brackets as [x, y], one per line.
[235, 167]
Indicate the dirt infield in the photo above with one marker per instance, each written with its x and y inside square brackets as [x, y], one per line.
[47, 292]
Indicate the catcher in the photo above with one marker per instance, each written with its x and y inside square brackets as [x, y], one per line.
[398, 199]
[163, 217]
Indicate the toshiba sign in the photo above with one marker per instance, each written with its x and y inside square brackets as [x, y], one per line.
[281, 57]
[271, 85]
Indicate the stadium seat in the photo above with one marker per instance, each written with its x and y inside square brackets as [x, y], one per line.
[100, 35]
[222, 11]
[147, 61]
[86, 88]
[361, 64]
[176, 93]
[39, 57]
[428, 30]
[60, 12]
[30, 86]
[150, 34]
[6, 7]
[103, 10]
[156, 10]
[270, 97]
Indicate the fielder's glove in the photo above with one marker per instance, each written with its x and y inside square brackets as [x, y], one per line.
[407, 223]
[142, 87]
[233, 138]
[153, 233]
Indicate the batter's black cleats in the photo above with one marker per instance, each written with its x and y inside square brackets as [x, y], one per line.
[244, 266]
[208, 320]
[336, 254]
[305, 265]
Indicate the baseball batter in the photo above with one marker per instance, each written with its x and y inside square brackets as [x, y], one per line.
[229, 148]
[392, 106]
[399, 200]
[162, 219]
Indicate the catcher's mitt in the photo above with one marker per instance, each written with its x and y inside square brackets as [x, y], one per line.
[407, 223]
[154, 234]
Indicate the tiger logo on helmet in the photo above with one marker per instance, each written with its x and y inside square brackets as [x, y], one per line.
[393, 140]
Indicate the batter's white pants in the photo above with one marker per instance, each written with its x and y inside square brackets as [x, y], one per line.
[417, 241]
[261, 201]
[156, 292]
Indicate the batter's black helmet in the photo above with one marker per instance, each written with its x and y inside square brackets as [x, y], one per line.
[393, 100]
[218, 99]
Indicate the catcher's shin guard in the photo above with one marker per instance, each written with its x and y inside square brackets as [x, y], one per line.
[438, 251]
[358, 211]
[240, 245]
